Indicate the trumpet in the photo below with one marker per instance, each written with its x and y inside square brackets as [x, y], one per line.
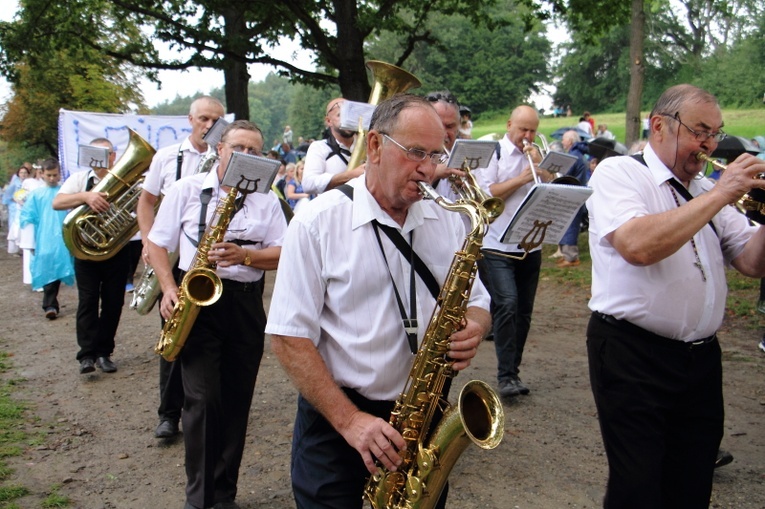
[544, 149]
[752, 204]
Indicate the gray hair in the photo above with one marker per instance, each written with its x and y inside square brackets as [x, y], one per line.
[675, 98]
[385, 116]
[240, 124]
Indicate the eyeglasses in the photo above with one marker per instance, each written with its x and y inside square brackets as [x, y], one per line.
[437, 96]
[701, 136]
[247, 150]
[418, 155]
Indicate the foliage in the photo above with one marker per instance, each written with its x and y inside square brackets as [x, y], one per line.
[488, 69]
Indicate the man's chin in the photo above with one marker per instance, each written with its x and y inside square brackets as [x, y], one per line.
[346, 134]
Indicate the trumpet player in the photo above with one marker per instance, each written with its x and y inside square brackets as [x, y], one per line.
[660, 241]
[512, 283]
[220, 360]
[168, 165]
[100, 284]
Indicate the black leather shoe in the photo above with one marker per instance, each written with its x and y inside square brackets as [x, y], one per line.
[106, 365]
[226, 505]
[723, 458]
[87, 366]
[166, 429]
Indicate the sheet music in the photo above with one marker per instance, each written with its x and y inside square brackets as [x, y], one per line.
[92, 156]
[250, 174]
[474, 153]
[557, 162]
[556, 204]
[212, 136]
[351, 112]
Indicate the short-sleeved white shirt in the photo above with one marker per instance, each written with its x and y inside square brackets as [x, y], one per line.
[164, 166]
[78, 181]
[669, 297]
[334, 288]
[509, 165]
[260, 220]
[318, 170]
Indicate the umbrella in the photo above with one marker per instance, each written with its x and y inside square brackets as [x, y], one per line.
[733, 146]
[558, 134]
[603, 148]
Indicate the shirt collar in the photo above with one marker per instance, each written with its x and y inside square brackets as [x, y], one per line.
[366, 209]
[187, 145]
[659, 171]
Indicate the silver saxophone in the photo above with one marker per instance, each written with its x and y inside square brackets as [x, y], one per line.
[148, 289]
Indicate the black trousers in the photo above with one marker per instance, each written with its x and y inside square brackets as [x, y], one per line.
[101, 293]
[170, 380]
[50, 295]
[219, 364]
[660, 407]
[327, 473]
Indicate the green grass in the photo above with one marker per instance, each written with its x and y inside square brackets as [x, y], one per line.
[54, 499]
[746, 123]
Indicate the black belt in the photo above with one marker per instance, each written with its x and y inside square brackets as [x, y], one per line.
[230, 285]
[654, 338]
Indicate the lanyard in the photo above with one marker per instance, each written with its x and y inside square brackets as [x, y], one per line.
[410, 322]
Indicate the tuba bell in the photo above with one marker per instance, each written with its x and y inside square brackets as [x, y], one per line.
[94, 236]
[388, 81]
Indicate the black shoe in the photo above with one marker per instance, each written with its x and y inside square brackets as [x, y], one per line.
[723, 458]
[106, 365]
[166, 429]
[522, 389]
[51, 313]
[226, 505]
[508, 388]
[87, 366]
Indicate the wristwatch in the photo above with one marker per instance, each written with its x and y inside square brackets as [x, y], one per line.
[247, 260]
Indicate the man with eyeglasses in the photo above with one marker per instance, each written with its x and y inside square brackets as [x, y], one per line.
[168, 165]
[100, 283]
[661, 237]
[348, 346]
[510, 277]
[326, 161]
[220, 359]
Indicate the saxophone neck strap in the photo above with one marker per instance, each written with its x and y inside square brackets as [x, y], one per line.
[406, 250]
[179, 163]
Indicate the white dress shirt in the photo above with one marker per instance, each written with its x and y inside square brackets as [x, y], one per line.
[318, 170]
[260, 220]
[511, 163]
[164, 166]
[334, 288]
[669, 297]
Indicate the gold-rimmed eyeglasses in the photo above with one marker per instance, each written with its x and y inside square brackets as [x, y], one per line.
[418, 155]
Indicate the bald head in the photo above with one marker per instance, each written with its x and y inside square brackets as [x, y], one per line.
[522, 125]
[569, 138]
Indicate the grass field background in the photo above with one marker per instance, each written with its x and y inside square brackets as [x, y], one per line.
[746, 123]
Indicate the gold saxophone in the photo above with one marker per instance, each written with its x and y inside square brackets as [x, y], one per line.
[477, 417]
[200, 286]
[97, 236]
[147, 290]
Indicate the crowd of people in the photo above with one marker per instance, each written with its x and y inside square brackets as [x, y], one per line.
[361, 258]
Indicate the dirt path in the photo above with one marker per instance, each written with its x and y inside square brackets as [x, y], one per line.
[96, 431]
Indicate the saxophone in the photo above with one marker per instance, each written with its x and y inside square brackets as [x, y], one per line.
[477, 417]
[147, 291]
[200, 286]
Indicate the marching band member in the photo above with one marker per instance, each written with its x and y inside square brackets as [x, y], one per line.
[100, 284]
[168, 165]
[220, 360]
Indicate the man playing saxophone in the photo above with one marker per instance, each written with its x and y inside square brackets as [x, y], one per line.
[220, 360]
[168, 165]
[348, 346]
[100, 283]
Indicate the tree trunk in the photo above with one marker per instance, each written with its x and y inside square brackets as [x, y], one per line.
[235, 74]
[352, 74]
[637, 73]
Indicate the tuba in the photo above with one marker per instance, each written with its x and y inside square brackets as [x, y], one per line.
[200, 286]
[477, 417]
[148, 290]
[388, 81]
[99, 236]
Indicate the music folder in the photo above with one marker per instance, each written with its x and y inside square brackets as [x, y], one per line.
[212, 136]
[250, 174]
[356, 114]
[544, 215]
[557, 162]
[92, 156]
[471, 154]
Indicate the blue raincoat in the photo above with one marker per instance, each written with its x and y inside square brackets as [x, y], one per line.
[52, 260]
